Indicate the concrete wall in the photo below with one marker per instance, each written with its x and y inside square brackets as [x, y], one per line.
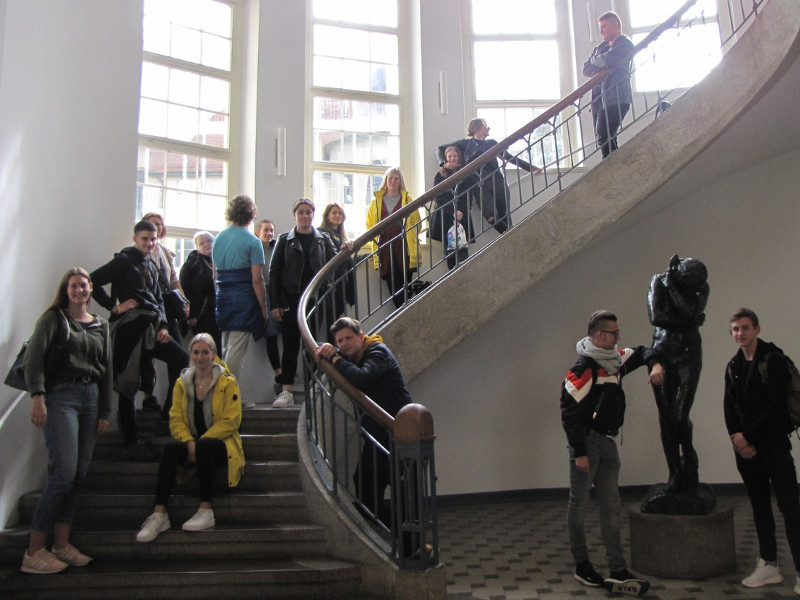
[495, 396]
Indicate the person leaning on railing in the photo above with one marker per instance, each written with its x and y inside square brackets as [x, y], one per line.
[492, 194]
[368, 364]
[612, 97]
[451, 223]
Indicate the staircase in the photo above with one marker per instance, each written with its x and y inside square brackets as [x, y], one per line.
[264, 545]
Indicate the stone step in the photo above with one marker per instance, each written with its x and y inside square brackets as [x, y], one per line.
[111, 475]
[261, 420]
[219, 578]
[127, 511]
[257, 447]
[234, 541]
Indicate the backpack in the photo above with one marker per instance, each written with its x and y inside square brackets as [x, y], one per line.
[793, 397]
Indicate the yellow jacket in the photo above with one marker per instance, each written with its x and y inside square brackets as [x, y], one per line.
[409, 224]
[226, 410]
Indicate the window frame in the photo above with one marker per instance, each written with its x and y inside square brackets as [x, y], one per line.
[230, 155]
[401, 100]
[567, 76]
[624, 12]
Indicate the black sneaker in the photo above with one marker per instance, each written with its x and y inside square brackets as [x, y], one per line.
[585, 573]
[151, 404]
[139, 451]
[625, 582]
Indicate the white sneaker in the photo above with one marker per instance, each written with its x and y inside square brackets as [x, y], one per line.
[202, 519]
[284, 400]
[796, 588]
[763, 574]
[72, 556]
[152, 526]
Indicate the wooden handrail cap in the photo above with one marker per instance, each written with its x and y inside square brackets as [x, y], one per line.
[413, 423]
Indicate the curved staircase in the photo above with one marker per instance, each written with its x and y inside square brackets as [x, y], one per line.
[264, 544]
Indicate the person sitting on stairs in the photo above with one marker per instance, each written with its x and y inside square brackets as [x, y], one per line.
[204, 420]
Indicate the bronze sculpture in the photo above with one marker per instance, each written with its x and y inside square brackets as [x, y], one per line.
[676, 301]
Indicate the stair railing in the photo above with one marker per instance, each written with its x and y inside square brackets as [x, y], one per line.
[335, 410]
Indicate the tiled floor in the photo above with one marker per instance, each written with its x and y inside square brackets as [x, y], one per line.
[518, 550]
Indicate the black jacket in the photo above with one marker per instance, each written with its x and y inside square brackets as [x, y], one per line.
[197, 281]
[616, 88]
[591, 398]
[753, 406]
[471, 149]
[131, 275]
[286, 265]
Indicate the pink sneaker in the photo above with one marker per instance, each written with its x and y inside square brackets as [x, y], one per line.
[42, 563]
[72, 556]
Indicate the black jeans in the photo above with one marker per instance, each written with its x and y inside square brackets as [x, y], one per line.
[607, 121]
[773, 465]
[210, 454]
[177, 360]
[291, 341]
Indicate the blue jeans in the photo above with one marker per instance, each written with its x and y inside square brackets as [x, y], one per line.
[604, 474]
[69, 433]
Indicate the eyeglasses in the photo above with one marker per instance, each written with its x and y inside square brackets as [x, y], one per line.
[615, 333]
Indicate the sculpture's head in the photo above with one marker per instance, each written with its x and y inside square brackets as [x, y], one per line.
[692, 272]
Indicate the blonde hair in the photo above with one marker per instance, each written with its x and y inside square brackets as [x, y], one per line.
[393, 171]
[206, 339]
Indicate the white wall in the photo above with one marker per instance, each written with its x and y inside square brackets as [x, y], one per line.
[495, 397]
[68, 120]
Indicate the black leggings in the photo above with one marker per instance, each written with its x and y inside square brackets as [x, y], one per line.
[209, 452]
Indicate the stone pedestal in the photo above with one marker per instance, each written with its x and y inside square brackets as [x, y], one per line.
[683, 546]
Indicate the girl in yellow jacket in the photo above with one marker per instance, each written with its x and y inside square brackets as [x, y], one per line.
[398, 254]
[204, 420]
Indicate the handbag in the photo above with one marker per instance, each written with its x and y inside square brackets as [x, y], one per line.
[16, 374]
[175, 304]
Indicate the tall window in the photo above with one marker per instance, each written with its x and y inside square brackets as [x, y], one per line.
[519, 61]
[355, 102]
[681, 56]
[186, 136]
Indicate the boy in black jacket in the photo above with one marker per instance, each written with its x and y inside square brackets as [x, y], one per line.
[756, 387]
[592, 412]
[139, 335]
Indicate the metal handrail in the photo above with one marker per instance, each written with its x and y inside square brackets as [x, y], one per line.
[324, 374]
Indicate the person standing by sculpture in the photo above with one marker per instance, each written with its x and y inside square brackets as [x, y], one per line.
[756, 387]
[676, 302]
[612, 97]
[592, 412]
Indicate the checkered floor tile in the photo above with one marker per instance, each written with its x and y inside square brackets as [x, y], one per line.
[518, 550]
